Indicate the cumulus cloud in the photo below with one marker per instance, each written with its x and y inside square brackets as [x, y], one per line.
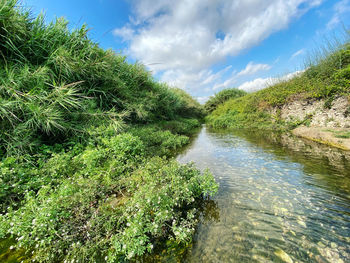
[126, 32]
[261, 83]
[181, 40]
[252, 68]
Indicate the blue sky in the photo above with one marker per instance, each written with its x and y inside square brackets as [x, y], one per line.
[204, 46]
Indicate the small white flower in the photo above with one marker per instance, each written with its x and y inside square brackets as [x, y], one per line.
[106, 257]
[12, 247]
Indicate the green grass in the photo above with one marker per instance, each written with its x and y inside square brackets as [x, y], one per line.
[85, 146]
[340, 134]
[327, 77]
[55, 83]
[343, 135]
[222, 96]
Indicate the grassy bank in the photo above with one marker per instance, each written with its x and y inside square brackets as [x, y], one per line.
[85, 142]
[326, 77]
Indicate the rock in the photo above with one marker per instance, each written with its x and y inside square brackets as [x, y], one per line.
[302, 223]
[283, 255]
[320, 244]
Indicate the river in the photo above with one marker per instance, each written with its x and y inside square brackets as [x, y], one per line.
[281, 199]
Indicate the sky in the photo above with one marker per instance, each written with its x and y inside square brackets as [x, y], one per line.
[204, 46]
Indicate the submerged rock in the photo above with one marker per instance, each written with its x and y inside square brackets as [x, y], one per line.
[283, 255]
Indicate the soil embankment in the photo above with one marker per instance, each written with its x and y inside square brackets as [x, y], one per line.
[336, 137]
[325, 122]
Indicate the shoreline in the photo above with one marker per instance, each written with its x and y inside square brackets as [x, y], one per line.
[335, 137]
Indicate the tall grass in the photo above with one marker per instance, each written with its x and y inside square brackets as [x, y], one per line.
[54, 83]
[84, 141]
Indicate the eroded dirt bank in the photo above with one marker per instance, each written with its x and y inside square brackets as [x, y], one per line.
[324, 121]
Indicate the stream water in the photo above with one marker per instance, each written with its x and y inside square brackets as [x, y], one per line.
[281, 199]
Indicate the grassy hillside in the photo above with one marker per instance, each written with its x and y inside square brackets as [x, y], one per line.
[84, 144]
[327, 77]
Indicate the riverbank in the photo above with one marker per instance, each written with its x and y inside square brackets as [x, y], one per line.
[86, 147]
[316, 97]
[335, 137]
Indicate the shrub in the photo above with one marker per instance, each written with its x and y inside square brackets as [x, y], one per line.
[92, 217]
[221, 97]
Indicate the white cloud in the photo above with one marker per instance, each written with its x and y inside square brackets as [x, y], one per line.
[339, 8]
[182, 39]
[181, 34]
[261, 83]
[126, 32]
[298, 53]
[252, 68]
[228, 83]
[194, 80]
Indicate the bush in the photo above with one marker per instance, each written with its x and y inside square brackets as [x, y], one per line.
[89, 217]
[159, 142]
[221, 97]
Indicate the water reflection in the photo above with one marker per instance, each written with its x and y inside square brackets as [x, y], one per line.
[280, 199]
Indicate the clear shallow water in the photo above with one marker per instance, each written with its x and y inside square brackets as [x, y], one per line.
[281, 199]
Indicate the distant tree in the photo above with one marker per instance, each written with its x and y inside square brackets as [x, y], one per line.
[221, 97]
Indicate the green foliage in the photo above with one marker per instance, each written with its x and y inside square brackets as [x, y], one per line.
[54, 84]
[189, 108]
[328, 78]
[81, 132]
[90, 215]
[181, 125]
[159, 142]
[221, 97]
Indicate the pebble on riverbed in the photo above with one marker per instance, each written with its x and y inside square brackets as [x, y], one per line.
[283, 255]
